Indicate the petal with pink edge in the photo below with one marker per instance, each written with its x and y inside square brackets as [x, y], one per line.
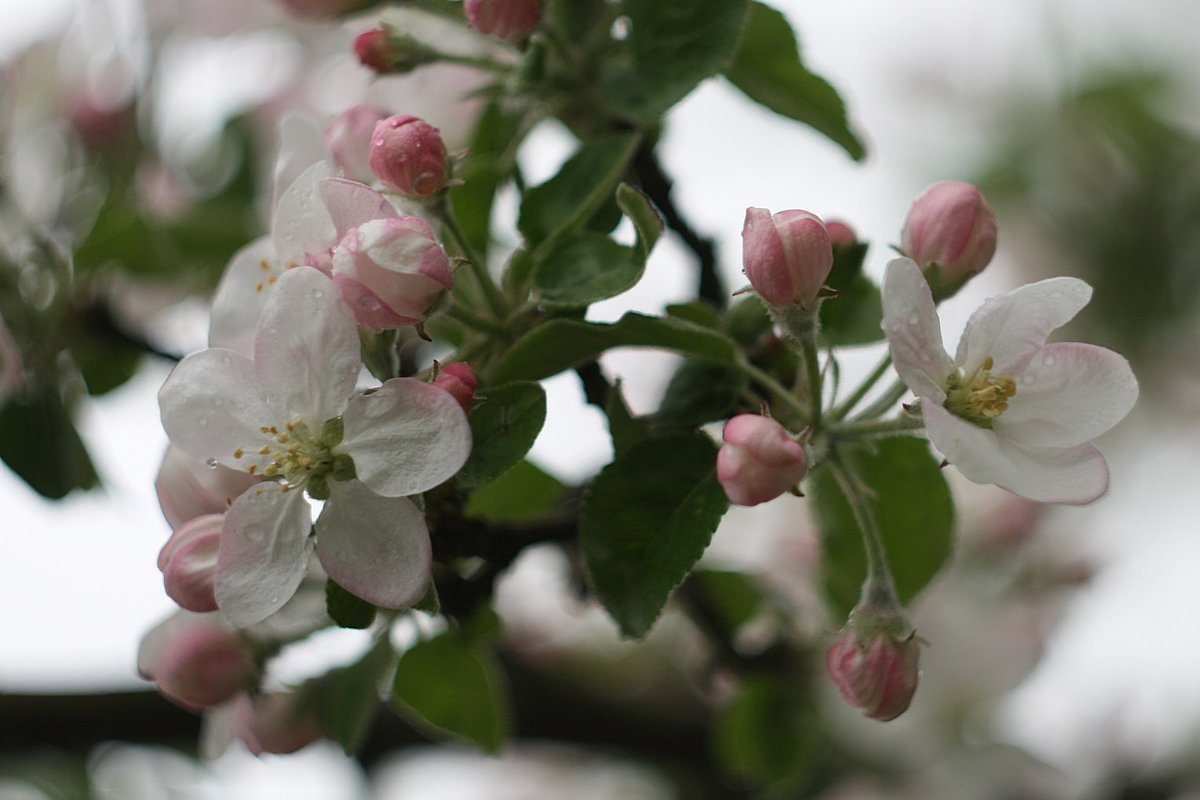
[302, 229]
[376, 547]
[405, 437]
[1074, 475]
[1069, 394]
[913, 330]
[188, 488]
[265, 545]
[351, 203]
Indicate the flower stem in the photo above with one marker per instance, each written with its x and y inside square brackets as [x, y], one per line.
[775, 388]
[479, 323]
[876, 428]
[847, 405]
[879, 589]
[884, 403]
[491, 292]
[813, 378]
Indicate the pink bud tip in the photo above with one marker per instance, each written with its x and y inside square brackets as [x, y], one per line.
[759, 460]
[952, 229]
[409, 156]
[840, 233]
[787, 256]
[203, 664]
[511, 20]
[878, 675]
[459, 380]
[373, 50]
[189, 561]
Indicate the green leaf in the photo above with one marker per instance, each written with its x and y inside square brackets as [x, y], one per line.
[347, 698]
[767, 736]
[733, 596]
[641, 212]
[583, 184]
[853, 317]
[487, 163]
[454, 689]
[624, 428]
[698, 312]
[523, 494]
[504, 427]
[673, 45]
[38, 441]
[700, 391]
[586, 268]
[565, 343]
[768, 69]
[913, 509]
[646, 519]
[347, 609]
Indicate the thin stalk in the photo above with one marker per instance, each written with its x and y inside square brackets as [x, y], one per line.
[879, 589]
[774, 387]
[472, 320]
[813, 377]
[847, 405]
[491, 293]
[875, 428]
[884, 403]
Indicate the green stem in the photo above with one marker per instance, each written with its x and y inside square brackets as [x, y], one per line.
[876, 428]
[884, 403]
[813, 378]
[879, 589]
[847, 405]
[472, 320]
[483, 278]
[774, 388]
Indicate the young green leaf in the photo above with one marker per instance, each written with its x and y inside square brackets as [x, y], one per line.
[347, 698]
[852, 317]
[700, 391]
[504, 427]
[641, 212]
[586, 268]
[766, 735]
[39, 442]
[523, 494]
[646, 519]
[346, 609]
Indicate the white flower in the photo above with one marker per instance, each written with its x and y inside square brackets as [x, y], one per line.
[291, 415]
[1010, 409]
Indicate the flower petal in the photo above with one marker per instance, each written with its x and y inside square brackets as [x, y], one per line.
[350, 204]
[264, 552]
[1069, 394]
[188, 488]
[376, 547]
[306, 355]
[302, 229]
[405, 437]
[1075, 475]
[210, 406]
[1012, 327]
[301, 144]
[913, 330]
[241, 295]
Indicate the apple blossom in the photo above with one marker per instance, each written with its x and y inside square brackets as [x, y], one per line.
[291, 415]
[759, 460]
[1010, 409]
[386, 52]
[950, 231]
[511, 20]
[409, 156]
[787, 256]
[188, 488]
[876, 673]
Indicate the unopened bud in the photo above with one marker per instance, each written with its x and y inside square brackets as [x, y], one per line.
[188, 562]
[787, 256]
[875, 672]
[348, 138]
[840, 233]
[409, 156]
[459, 380]
[759, 460]
[511, 20]
[276, 723]
[950, 231]
[386, 52]
[202, 664]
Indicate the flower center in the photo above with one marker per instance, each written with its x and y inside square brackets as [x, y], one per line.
[292, 456]
[980, 397]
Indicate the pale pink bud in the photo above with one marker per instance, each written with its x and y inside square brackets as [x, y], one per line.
[840, 233]
[202, 664]
[276, 723]
[952, 229]
[188, 488]
[459, 380]
[787, 256]
[759, 460]
[348, 138]
[321, 8]
[409, 156]
[387, 52]
[188, 562]
[511, 20]
[391, 272]
[877, 675]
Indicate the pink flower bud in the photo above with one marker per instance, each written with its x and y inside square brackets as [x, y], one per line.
[201, 664]
[840, 233]
[408, 155]
[787, 256]
[349, 140]
[275, 723]
[188, 562]
[321, 8]
[387, 52]
[877, 675]
[759, 460]
[950, 228]
[511, 20]
[391, 272]
[459, 380]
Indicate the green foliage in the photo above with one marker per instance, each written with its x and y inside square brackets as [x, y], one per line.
[624, 429]
[673, 45]
[646, 221]
[912, 507]
[565, 343]
[768, 69]
[587, 268]
[347, 609]
[347, 698]
[487, 164]
[733, 596]
[504, 427]
[523, 494]
[766, 736]
[851, 318]
[700, 391]
[38, 441]
[451, 687]
[646, 519]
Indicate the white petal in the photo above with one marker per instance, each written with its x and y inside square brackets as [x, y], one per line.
[210, 406]
[376, 547]
[306, 355]
[241, 295]
[301, 144]
[1069, 394]
[350, 204]
[913, 331]
[406, 436]
[188, 488]
[264, 552]
[1073, 475]
[1013, 326]
[302, 228]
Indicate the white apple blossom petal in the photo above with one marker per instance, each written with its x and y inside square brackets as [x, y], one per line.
[1069, 394]
[188, 488]
[307, 352]
[1011, 327]
[210, 406]
[301, 144]
[1074, 475]
[264, 552]
[913, 330]
[376, 547]
[350, 204]
[302, 229]
[405, 437]
[241, 295]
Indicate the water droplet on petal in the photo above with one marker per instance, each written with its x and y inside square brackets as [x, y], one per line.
[318, 293]
[913, 319]
[202, 421]
[212, 463]
[1048, 361]
[1055, 295]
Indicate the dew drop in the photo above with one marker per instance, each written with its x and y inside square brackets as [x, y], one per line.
[202, 421]
[318, 293]
[1048, 360]
[273, 599]
[254, 534]
[212, 463]
[913, 319]
[1055, 295]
